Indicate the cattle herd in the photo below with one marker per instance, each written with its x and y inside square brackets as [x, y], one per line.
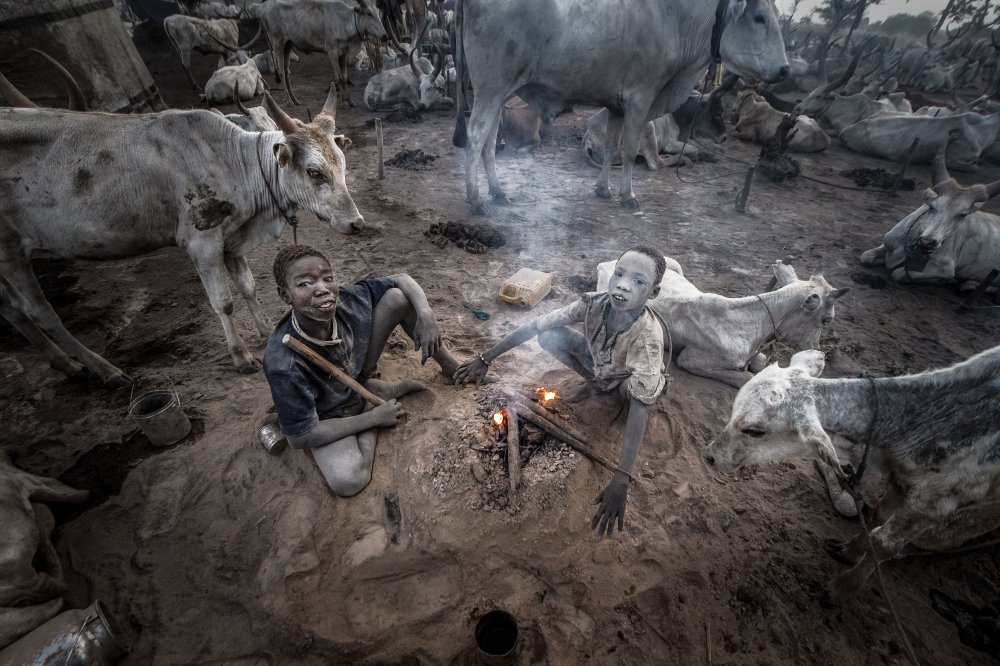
[82, 184]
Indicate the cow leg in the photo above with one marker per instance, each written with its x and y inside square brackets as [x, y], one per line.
[490, 164]
[340, 77]
[484, 110]
[58, 359]
[874, 257]
[186, 64]
[841, 500]
[26, 296]
[631, 131]
[612, 140]
[241, 275]
[704, 365]
[213, 277]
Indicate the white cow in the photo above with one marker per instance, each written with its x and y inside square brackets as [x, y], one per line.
[933, 442]
[224, 83]
[718, 337]
[759, 122]
[104, 186]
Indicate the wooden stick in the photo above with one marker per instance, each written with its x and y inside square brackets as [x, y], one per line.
[708, 640]
[562, 435]
[546, 414]
[513, 449]
[306, 352]
[378, 142]
[906, 162]
[741, 199]
[980, 289]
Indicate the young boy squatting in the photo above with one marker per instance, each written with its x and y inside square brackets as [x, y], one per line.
[348, 325]
[620, 349]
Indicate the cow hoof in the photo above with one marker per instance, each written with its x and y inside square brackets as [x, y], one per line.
[478, 208]
[631, 203]
[844, 505]
[501, 198]
[603, 191]
[835, 549]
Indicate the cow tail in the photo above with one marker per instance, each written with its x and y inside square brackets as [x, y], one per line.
[459, 138]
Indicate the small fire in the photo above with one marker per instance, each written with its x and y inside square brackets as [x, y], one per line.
[545, 395]
[498, 418]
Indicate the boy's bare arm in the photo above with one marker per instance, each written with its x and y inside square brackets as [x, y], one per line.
[613, 499]
[474, 369]
[328, 431]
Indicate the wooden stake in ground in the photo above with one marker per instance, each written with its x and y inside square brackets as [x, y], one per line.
[378, 142]
[513, 448]
[981, 289]
[906, 162]
[741, 198]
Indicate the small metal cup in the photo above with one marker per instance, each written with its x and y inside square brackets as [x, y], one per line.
[274, 443]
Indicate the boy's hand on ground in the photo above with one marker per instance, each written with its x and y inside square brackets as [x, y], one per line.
[426, 337]
[472, 370]
[612, 506]
[388, 414]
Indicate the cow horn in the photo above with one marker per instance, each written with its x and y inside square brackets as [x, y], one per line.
[846, 76]
[940, 168]
[77, 102]
[416, 46]
[330, 105]
[14, 96]
[441, 59]
[246, 47]
[239, 102]
[281, 119]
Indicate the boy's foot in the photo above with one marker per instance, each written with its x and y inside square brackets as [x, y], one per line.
[390, 390]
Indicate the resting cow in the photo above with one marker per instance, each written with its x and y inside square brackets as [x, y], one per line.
[718, 337]
[948, 240]
[759, 122]
[418, 84]
[933, 442]
[146, 181]
[224, 83]
[31, 584]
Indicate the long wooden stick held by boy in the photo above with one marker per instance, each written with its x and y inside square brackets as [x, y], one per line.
[303, 350]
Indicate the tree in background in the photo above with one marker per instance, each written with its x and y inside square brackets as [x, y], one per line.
[836, 14]
[970, 17]
[912, 25]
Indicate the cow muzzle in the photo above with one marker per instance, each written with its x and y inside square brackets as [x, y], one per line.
[927, 245]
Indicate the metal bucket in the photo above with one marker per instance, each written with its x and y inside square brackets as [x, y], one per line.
[159, 415]
[497, 638]
[87, 637]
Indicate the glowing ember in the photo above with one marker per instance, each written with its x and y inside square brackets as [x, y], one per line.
[545, 394]
[498, 418]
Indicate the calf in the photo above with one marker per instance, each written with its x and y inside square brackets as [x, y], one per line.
[948, 240]
[31, 584]
[187, 33]
[241, 81]
[105, 186]
[718, 337]
[759, 122]
[931, 440]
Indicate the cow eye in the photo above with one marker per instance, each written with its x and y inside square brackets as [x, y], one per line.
[316, 174]
[759, 18]
[753, 432]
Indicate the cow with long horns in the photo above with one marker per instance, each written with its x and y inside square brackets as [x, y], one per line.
[146, 181]
[638, 59]
[418, 84]
[948, 240]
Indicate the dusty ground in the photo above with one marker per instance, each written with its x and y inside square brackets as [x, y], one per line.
[214, 552]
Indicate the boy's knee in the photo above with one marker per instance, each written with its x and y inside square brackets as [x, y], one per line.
[349, 482]
[550, 339]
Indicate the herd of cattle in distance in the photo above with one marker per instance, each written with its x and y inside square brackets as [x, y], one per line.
[233, 182]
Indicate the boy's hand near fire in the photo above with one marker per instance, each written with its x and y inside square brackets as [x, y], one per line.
[620, 349]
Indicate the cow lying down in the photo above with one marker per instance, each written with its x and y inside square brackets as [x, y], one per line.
[718, 337]
[31, 585]
[759, 121]
[933, 445]
[660, 136]
[241, 81]
[948, 240]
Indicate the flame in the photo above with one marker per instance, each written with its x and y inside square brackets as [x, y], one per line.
[498, 418]
[545, 395]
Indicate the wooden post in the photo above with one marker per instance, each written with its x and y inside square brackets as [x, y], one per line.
[378, 142]
[906, 162]
[741, 198]
[513, 449]
[980, 290]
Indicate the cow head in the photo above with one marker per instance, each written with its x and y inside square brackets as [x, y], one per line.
[819, 100]
[311, 166]
[429, 80]
[948, 204]
[367, 21]
[751, 43]
[705, 112]
[812, 306]
[774, 418]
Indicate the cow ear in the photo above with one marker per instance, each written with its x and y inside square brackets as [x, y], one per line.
[342, 142]
[737, 8]
[784, 274]
[811, 361]
[282, 153]
[814, 435]
[837, 293]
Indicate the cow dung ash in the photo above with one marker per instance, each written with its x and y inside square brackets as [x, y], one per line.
[414, 160]
[473, 238]
[865, 177]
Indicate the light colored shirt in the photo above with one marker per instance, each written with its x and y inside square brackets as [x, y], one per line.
[634, 354]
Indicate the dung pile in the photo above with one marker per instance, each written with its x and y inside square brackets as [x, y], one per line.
[864, 177]
[473, 238]
[414, 160]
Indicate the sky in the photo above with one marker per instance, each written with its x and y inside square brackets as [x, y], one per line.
[876, 13]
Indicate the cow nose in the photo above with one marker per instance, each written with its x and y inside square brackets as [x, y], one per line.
[710, 459]
[783, 73]
[927, 244]
[827, 320]
[357, 225]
